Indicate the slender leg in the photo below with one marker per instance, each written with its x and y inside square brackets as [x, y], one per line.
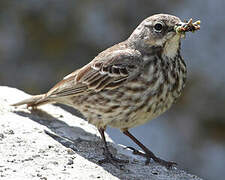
[108, 156]
[148, 154]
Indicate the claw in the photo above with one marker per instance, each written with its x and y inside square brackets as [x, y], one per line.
[109, 158]
[148, 156]
[167, 164]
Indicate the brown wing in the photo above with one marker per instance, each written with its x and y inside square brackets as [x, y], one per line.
[107, 72]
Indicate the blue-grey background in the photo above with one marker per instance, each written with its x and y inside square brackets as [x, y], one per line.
[42, 41]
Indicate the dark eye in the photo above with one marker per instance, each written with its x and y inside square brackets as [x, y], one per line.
[158, 27]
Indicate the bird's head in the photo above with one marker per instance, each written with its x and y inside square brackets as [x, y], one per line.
[162, 32]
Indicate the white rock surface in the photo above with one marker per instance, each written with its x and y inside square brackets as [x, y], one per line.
[51, 143]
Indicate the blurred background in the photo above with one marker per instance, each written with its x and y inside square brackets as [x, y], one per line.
[42, 41]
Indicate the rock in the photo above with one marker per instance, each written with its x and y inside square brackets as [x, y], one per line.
[51, 143]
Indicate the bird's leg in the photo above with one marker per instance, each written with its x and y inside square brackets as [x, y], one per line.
[148, 154]
[109, 158]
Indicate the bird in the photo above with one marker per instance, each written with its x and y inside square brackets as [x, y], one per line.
[129, 83]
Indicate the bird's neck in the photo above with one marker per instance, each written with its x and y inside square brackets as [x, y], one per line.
[169, 49]
[141, 46]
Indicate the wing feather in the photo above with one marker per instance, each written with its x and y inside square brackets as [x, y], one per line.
[107, 72]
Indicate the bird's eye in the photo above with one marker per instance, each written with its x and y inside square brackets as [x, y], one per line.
[158, 27]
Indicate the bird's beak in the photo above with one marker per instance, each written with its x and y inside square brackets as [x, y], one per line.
[188, 26]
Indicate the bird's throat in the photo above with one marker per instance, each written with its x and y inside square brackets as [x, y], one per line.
[171, 47]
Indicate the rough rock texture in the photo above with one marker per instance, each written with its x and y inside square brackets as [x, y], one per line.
[51, 143]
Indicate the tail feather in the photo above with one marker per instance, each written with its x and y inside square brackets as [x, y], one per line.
[33, 101]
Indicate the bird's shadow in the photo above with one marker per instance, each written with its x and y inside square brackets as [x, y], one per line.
[79, 146]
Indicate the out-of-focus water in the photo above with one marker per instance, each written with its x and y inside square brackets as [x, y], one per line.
[42, 41]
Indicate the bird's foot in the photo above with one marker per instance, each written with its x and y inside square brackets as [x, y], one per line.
[149, 155]
[109, 158]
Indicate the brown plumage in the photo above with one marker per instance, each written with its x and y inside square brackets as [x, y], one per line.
[130, 83]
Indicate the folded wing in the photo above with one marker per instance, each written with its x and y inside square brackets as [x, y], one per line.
[107, 72]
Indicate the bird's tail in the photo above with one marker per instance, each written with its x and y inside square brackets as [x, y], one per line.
[34, 101]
